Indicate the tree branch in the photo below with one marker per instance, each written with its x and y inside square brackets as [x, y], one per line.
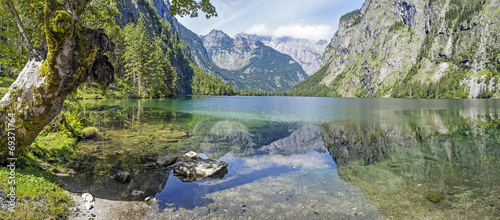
[20, 25]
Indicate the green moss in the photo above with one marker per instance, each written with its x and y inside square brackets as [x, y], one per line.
[434, 197]
[53, 146]
[62, 24]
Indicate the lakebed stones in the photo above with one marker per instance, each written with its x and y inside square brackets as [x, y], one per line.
[84, 207]
[193, 155]
[137, 195]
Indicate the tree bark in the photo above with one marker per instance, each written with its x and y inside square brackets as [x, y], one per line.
[71, 56]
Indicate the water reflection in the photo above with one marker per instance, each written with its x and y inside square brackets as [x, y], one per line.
[275, 169]
[432, 164]
[409, 158]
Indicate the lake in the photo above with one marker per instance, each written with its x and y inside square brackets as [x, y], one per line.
[301, 157]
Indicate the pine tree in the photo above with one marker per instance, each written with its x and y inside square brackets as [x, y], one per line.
[137, 56]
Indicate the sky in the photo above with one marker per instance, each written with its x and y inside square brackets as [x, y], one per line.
[310, 19]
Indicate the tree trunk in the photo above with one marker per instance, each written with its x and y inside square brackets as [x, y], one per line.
[19, 24]
[71, 56]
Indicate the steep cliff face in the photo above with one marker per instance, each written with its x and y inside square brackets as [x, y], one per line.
[228, 53]
[306, 53]
[414, 48]
[248, 63]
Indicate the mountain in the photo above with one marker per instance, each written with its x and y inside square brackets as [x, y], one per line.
[242, 62]
[160, 25]
[306, 53]
[412, 48]
[251, 63]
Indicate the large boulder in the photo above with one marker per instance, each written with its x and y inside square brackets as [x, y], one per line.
[190, 168]
[166, 161]
[137, 195]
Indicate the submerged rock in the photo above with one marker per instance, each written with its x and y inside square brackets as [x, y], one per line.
[434, 197]
[150, 166]
[191, 167]
[166, 160]
[122, 176]
[137, 195]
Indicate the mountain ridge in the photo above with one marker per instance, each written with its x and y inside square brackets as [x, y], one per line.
[306, 53]
[252, 64]
[412, 48]
[242, 62]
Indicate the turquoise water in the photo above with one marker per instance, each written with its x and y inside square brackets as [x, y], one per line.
[306, 109]
[309, 157]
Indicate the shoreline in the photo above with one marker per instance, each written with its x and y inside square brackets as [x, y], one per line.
[106, 209]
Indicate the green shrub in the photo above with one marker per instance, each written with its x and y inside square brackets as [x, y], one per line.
[89, 132]
[72, 122]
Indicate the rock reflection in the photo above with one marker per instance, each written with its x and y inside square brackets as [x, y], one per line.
[425, 164]
[275, 169]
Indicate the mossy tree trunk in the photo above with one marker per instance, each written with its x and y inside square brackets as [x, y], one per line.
[71, 55]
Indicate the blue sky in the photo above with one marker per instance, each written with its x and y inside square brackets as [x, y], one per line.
[311, 19]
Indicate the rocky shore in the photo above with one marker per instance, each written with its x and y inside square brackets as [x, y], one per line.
[122, 201]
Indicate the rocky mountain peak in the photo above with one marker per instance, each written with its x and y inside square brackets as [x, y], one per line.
[321, 42]
[247, 62]
[303, 51]
[217, 34]
[414, 48]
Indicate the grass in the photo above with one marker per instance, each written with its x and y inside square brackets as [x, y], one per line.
[38, 195]
[53, 146]
[5, 82]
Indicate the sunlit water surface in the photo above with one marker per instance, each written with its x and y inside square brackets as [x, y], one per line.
[303, 157]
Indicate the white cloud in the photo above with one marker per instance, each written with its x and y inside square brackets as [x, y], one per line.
[310, 32]
[259, 29]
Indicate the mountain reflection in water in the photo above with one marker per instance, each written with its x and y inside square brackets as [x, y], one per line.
[409, 158]
[437, 164]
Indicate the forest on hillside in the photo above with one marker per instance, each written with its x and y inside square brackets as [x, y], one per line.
[150, 60]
